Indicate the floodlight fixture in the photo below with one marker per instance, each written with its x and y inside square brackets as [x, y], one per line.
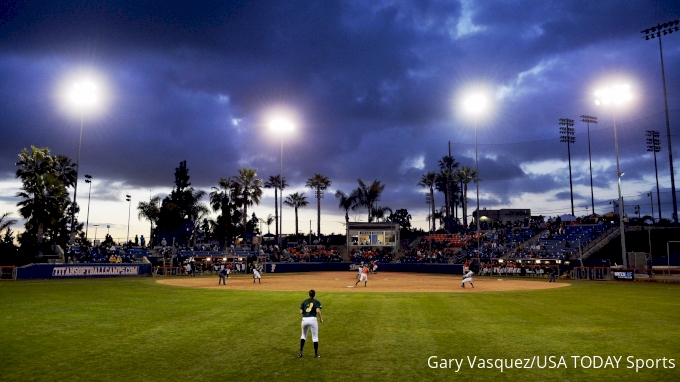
[567, 131]
[588, 119]
[653, 32]
[615, 96]
[84, 93]
[654, 146]
[475, 103]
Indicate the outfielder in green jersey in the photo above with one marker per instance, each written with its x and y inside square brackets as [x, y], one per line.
[309, 309]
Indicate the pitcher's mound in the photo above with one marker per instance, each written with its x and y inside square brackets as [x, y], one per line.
[346, 282]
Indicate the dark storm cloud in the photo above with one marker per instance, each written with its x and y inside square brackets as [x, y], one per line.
[373, 85]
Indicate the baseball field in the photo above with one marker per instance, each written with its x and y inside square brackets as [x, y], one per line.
[184, 329]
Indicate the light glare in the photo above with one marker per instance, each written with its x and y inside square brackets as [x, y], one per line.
[83, 93]
[281, 125]
[614, 95]
[475, 103]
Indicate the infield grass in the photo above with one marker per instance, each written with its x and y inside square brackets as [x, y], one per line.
[133, 329]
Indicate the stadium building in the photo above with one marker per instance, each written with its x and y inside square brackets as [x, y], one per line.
[508, 215]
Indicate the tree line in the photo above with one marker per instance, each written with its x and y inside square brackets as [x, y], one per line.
[45, 202]
[452, 180]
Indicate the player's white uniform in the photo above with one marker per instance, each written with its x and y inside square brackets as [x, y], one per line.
[361, 268]
[364, 277]
[256, 275]
[309, 321]
[467, 279]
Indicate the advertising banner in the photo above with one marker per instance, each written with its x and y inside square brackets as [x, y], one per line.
[62, 271]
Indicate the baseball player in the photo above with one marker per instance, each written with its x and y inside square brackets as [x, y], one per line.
[309, 309]
[374, 267]
[361, 268]
[467, 278]
[256, 275]
[364, 276]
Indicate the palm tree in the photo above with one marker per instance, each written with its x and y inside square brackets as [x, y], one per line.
[66, 170]
[5, 223]
[197, 212]
[466, 175]
[150, 211]
[447, 167]
[379, 213]
[251, 191]
[277, 183]
[345, 202]
[296, 201]
[45, 200]
[319, 183]
[439, 215]
[368, 196]
[269, 221]
[429, 180]
[222, 200]
[456, 194]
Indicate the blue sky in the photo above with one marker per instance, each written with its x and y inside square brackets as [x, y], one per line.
[374, 89]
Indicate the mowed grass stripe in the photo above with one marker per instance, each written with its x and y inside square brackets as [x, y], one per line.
[137, 330]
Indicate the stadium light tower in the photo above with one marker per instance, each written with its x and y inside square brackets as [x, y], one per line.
[475, 104]
[616, 96]
[588, 119]
[128, 199]
[88, 180]
[83, 95]
[567, 135]
[654, 145]
[281, 126]
[657, 32]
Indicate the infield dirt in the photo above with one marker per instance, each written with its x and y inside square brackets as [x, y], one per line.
[345, 282]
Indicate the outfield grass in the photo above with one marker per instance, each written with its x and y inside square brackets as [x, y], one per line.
[136, 330]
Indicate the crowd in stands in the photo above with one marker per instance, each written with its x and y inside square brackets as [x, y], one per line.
[301, 253]
[365, 255]
[551, 240]
[104, 253]
[556, 240]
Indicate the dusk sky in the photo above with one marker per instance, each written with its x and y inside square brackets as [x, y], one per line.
[374, 90]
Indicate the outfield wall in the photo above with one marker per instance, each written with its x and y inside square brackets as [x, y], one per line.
[65, 271]
[382, 267]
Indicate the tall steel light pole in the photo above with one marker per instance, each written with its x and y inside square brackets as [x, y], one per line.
[475, 104]
[151, 223]
[651, 204]
[567, 135]
[128, 199]
[654, 145]
[83, 95]
[95, 234]
[281, 127]
[657, 32]
[615, 96]
[588, 119]
[88, 180]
